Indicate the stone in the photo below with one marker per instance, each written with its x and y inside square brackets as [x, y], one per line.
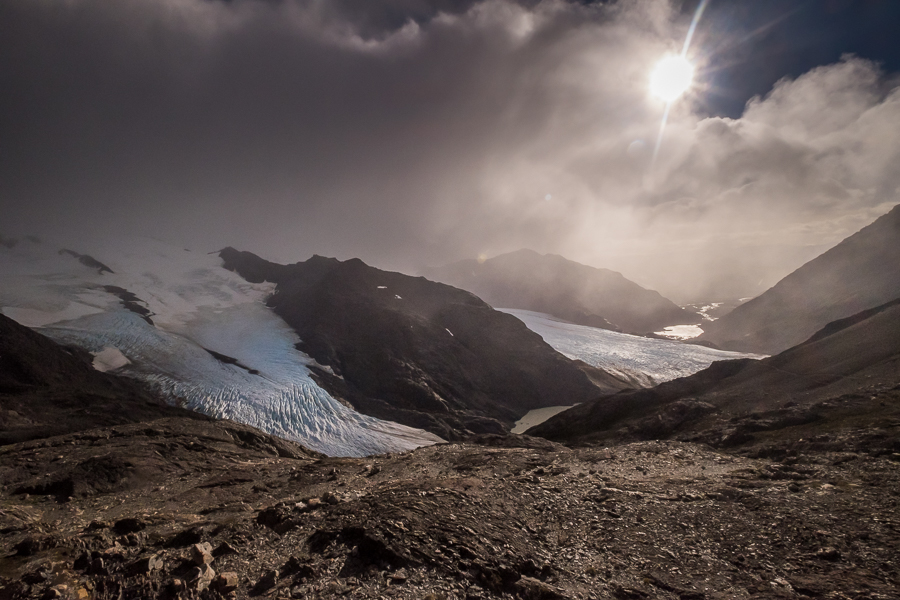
[529, 588]
[82, 562]
[266, 582]
[28, 547]
[39, 576]
[52, 594]
[193, 535]
[201, 577]
[146, 565]
[201, 554]
[399, 576]
[129, 525]
[175, 586]
[226, 582]
[224, 549]
[98, 567]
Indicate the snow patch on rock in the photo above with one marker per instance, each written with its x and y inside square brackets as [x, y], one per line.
[109, 359]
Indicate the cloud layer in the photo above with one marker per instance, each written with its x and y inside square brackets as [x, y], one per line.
[409, 133]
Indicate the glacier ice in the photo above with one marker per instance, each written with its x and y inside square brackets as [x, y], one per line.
[645, 361]
[195, 305]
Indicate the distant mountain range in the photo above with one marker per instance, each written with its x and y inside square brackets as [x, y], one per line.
[563, 288]
[347, 359]
[861, 272]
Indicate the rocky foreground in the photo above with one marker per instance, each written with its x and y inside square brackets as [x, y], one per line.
[176, 508]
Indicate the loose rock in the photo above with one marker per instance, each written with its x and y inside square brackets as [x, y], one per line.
[201, 554]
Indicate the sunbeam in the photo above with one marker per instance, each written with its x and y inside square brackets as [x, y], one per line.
[672, 77]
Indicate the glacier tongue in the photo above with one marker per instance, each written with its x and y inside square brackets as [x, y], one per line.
[645, 361]
[195, 305]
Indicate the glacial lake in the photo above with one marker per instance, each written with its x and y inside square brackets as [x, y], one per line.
[537, 416]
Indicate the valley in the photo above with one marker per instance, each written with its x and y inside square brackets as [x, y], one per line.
[217, 426]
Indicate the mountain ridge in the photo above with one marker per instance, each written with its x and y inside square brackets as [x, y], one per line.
[415, 350]
[552, 284]
[839, 371]
[861, 272]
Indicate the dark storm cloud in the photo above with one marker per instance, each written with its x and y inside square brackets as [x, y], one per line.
[410, 132]
[282, 113]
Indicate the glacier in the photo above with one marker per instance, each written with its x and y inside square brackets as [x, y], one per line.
[204, 338]
[190, 306]
[643, 361]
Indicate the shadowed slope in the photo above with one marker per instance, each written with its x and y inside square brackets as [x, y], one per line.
[46, 389]
[418, 352]
[831, 377]
[861, 272]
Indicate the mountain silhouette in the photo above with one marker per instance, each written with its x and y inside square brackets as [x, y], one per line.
[566, 289]
[861, 272]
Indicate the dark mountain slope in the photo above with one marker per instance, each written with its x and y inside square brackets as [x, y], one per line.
[577, 293]
[861, 272]
[414, 351]
[849, 374]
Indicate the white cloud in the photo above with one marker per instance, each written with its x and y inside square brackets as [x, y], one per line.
[296, 127]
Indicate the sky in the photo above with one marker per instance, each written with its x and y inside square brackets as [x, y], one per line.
[412, 133]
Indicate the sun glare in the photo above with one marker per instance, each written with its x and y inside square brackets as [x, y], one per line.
[671, 77]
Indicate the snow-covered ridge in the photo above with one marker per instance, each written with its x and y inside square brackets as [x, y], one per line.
[643, 360]
[155, 312]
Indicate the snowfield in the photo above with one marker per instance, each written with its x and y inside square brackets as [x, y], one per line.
[195, 305]
[645, 361]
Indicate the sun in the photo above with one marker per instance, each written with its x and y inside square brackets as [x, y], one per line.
[671, 77]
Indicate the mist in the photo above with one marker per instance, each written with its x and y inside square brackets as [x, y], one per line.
[417, 133]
